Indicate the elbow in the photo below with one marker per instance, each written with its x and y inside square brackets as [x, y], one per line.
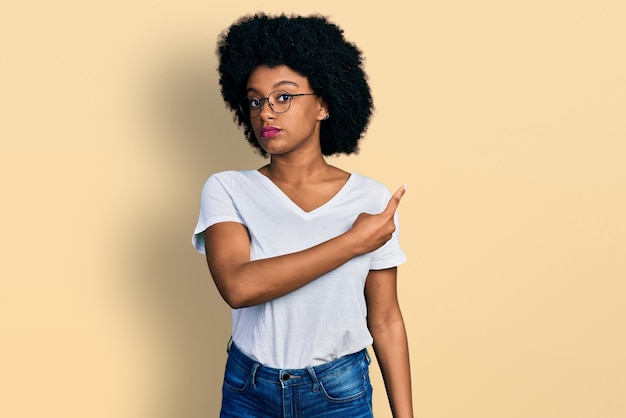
[234, 297]
[239, 292]
[231, 291]
[387, 327]
[236, 303]
[233, 300]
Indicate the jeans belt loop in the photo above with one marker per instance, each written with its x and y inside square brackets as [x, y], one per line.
[316, 382]
[253, 374]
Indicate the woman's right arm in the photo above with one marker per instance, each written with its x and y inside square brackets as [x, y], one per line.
[243, 282]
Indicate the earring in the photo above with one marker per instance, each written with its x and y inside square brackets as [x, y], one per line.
[327, 116]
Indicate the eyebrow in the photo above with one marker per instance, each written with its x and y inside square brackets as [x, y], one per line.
[279, 84]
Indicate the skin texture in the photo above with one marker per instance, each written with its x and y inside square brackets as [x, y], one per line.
[297, 166]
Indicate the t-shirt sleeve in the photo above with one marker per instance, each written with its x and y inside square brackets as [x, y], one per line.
[390, 254]
[216, 205]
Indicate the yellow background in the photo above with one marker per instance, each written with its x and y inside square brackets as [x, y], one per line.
[506, 119]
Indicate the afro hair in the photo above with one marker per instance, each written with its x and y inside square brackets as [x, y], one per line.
[313, 47]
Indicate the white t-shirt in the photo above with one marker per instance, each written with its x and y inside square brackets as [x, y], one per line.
[325, 319]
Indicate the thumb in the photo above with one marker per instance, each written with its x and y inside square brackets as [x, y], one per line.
[394, 201]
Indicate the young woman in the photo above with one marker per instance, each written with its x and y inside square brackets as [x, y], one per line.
[305, 253]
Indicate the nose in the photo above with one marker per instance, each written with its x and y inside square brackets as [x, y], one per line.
[266, 109]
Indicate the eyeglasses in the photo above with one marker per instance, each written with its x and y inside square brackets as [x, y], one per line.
[279, 101]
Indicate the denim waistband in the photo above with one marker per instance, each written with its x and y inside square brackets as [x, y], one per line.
[288, 377]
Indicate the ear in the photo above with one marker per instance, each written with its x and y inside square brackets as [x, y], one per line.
[322, 112]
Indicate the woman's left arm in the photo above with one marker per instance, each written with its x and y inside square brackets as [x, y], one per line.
[384, 320]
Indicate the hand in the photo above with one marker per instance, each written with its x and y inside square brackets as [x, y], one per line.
[371, 232]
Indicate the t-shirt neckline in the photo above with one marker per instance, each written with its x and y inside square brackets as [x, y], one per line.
[283, 196]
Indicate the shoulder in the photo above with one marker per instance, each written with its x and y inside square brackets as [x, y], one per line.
[229, 178]
[369, 194]
[229, 184]
[367, 183]
[230, 175]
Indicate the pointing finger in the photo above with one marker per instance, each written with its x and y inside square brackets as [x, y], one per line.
[394, 201]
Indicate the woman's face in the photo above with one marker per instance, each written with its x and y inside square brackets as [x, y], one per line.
[296, 130]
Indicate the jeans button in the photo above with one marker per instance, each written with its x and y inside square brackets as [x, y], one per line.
[286, 377]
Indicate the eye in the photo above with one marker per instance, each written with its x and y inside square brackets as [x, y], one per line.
[284, 97]
[254, 102]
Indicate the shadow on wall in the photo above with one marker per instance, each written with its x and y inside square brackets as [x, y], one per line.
[179, 302]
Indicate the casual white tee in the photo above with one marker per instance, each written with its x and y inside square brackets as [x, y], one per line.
[325, 319]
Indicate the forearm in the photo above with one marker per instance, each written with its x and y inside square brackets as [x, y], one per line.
[392, 353]
[254, 282]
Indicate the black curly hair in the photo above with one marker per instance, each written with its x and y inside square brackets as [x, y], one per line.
[313, 47]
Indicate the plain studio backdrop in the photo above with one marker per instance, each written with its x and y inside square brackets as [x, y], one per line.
[506, 119]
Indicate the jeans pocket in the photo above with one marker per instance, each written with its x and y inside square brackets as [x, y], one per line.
[235, 377]
[346, 385]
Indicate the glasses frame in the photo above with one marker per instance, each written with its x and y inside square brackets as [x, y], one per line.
[246, 102]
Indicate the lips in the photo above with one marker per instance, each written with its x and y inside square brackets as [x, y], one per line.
[269, 132]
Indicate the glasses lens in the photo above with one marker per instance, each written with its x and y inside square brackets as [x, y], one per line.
[250, 106]
[280, 101]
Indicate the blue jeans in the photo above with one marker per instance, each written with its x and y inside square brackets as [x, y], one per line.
[337, 388]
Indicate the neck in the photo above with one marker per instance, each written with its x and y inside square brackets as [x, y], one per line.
[296, 170]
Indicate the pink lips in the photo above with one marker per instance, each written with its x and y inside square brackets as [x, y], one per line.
[269, 132]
